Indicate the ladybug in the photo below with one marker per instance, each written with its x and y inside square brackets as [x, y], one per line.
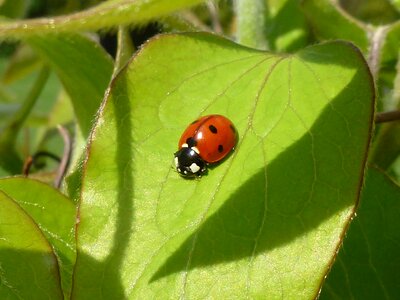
[205, 141]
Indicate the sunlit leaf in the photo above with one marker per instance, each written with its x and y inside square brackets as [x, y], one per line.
[267, 220]
[29, 268]
[54, 215]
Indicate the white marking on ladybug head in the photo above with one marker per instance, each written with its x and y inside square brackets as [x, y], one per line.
[184, 172]
[194, 168]
[185, 145]
[176, 162]
[195, 150]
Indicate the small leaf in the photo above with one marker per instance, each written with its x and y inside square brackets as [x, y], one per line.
[268, 219]
[53, 213]
[368, 265]
[29, 267]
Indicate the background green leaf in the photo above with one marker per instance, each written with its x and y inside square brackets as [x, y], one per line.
[86, 88]
[9, 157]
[375, 12]
[13, 8]
[390, 50]
[20, 64]
[330, 21]
[286, 26]
[55, 216]
[267, 220]
[29, 268]
[368, 264]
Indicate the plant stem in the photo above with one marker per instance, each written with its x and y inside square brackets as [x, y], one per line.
[125, 48]
[376, 39]
[194, 21]
[251, 23]
[62, 169]
[107, 14]
[214, 14]
[387, 116]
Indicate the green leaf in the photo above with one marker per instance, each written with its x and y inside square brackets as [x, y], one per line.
[29, 267]
[9, 157]
[329, 21]
[395, 170]
[73, 179]
[286, 26]
[53, 213]
[86, 88]
[386, 147]
[68, 53]
[21, 63]
[61, 112]
[390, 49]
[376, 12]
[368, 265]
[107, 14]
[15, 91]
[13, 8]
[268, 219]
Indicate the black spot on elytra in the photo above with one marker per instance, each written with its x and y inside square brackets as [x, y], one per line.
[191, 142]
[220, 148]
[213, 129]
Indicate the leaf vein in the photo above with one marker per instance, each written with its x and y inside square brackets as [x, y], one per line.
[251, 115]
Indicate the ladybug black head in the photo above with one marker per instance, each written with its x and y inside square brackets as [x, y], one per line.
[188, 163]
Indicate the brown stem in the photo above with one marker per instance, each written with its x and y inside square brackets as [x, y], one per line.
[214, 14]
[62, 168]
[387, 116]
[33, 160]
[376, 39]
[27, 166]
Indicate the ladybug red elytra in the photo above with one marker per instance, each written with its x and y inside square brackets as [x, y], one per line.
[205, 141]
